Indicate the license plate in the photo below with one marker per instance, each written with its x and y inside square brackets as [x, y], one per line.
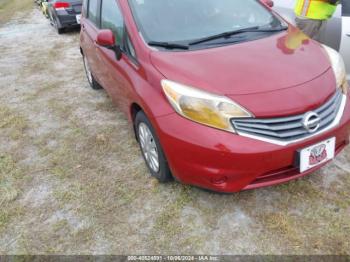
[317, 154]
[78, 17]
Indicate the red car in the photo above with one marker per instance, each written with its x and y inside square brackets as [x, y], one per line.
[222, 94]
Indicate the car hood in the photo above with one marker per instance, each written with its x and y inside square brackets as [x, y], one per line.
[284, 60]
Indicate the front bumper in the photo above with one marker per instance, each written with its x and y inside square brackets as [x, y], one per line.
[225, 162]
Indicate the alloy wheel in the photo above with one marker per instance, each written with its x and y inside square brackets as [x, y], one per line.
[87, 70]
[149, 147]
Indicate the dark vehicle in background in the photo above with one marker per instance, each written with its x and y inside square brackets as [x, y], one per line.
[64, 14]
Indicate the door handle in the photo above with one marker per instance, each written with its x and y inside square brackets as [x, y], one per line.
[348, 34]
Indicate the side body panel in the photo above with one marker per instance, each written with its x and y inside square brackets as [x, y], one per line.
[128, 82]
[88, 36]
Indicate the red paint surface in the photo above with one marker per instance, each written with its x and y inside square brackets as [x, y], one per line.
[280, 75]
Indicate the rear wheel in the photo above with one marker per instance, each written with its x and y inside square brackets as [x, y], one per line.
[55, 24]
[151, 149]
[60, 31]
[92, 82]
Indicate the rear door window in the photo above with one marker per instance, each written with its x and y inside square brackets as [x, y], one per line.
[93, 11]
[85, 5]
[346, 7]
[112, 18]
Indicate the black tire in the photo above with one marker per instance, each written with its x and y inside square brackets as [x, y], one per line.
[91, 80]
[60, 31]
[54, 22]
[163, 174]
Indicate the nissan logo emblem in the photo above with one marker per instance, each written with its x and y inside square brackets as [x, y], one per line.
[311, 122]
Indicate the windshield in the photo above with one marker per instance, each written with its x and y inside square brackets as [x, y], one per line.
[183, 21]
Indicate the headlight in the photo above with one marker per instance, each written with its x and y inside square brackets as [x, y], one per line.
[338, 66]
[203, 107]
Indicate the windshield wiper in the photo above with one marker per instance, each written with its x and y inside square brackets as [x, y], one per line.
[168, 45]
[236, 32]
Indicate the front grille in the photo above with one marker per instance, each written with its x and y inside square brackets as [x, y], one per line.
[288, 128]
[287, 173]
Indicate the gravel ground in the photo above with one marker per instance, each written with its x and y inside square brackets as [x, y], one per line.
[72, 179]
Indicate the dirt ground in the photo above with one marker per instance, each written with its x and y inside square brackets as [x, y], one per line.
[72, 179]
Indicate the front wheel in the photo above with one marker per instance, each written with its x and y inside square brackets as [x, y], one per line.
[151, 149]
[92, 82]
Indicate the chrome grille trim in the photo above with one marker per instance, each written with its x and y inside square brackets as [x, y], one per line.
[287, 130]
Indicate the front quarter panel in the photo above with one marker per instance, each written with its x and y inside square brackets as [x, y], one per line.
[146, 89]
[150, 94]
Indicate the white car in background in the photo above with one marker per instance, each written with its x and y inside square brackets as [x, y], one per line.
[337, 34]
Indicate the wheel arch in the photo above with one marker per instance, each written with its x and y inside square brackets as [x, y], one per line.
[134, 109]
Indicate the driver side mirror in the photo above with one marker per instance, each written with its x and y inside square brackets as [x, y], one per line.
[105, 38]
[269, 3]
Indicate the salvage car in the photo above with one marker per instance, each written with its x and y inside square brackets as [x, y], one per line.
[64, 14]
[224, 95]
[337, 34]
[45, 7]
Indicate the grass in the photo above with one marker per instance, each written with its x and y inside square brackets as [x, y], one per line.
[12, 123]
[8, 8]
[10, 175]
[47, 88]
[307, 217]
[9, 172]
[284, 227]
[168, 227]
[6, 216]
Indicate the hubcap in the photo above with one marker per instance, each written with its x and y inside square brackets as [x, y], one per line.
[88, 71]
[149, 147]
